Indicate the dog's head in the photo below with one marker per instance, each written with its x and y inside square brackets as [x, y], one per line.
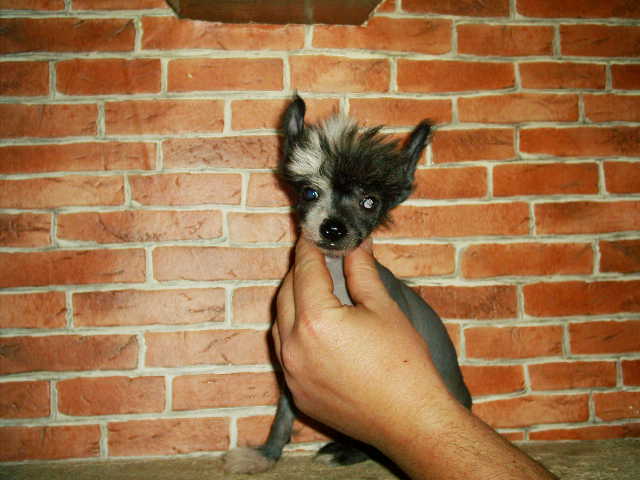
[347, 178]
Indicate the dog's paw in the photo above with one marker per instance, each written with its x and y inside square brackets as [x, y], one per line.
[338, 454]
[246, 460]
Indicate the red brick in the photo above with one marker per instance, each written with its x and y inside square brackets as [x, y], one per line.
[200, 74]
[417, 260]
[471, 145]
[256, 151]
[605, 337]
[254, 304]
[33, 310]
[71, 267]
[220, 263]
[562, 75]
[74, 157]
[33, 4]
[458, 221]
[323, 73]
[386, 6]
[149, 307]
[49, 442]
[24, 78]
[620, 256]
[582, 298]
[87, 76]
[600, 40]
[572, 375]
[625, 76]
[578, 9]
[610, 108]
[513, 342]
[267, 113]
[25, 230]
[587, 217]
[582, 141]
[489, 8]
[206, 347]
[193, 392]
[170, 33]
[383, 33]
[453, 76]
[518, 108]
[111, 395]
[494, 260]
[169, 436]
[617, 405]
[474, 303]
[631, 372]
[164, 117]
[444, 183]
[261, 227]
[24, 399]
[505, 40]
[267, 190]
[22, 35]
[253, 431]
[399, 111]
[493, 379]
[533, 410]
[140, 226]
[186, 189]
[59, 120]
[57, 353]
[622, 177]
[61, 192]
[545, 179]
[117, 4]
[588, 433]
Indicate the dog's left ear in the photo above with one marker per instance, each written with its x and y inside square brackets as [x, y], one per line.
[412, 151]
[415, 145]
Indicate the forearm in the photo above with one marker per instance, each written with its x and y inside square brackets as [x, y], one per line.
[452, 443]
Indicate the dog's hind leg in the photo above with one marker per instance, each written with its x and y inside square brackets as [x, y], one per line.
[256, 460]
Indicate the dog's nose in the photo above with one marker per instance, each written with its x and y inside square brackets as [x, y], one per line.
[333, 230]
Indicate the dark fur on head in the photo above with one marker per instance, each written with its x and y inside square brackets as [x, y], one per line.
[347, 178]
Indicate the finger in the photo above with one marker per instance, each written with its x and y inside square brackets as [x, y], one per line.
[312, 284]
[363, 279]
[285, 306]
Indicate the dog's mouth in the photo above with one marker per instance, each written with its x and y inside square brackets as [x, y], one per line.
[333, 248]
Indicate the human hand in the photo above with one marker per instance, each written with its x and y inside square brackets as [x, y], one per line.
[360, 369]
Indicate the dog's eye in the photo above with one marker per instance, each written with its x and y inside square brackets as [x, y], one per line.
[368, 203]
[309, 194]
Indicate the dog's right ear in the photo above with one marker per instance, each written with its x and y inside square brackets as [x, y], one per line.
[293, 122]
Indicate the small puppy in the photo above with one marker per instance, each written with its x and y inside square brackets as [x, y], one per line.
[347, 180]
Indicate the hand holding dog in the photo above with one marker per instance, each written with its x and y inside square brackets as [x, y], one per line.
[349, 366]
[366, 372]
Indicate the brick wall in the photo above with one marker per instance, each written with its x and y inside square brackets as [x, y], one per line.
[143, 234]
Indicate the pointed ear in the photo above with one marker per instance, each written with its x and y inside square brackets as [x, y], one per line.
[293, 121]
[413, 149]
[417, 142]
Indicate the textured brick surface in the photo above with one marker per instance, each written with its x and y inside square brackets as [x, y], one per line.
[144, 230]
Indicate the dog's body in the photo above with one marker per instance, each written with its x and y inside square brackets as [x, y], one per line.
[348, 179]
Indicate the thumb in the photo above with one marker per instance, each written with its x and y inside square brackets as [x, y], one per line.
[363, 280]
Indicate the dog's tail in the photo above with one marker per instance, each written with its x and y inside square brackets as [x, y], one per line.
[256, 460]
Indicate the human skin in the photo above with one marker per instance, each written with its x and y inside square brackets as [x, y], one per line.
[364, 371]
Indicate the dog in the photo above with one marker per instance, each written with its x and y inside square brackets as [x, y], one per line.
[347, 180]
